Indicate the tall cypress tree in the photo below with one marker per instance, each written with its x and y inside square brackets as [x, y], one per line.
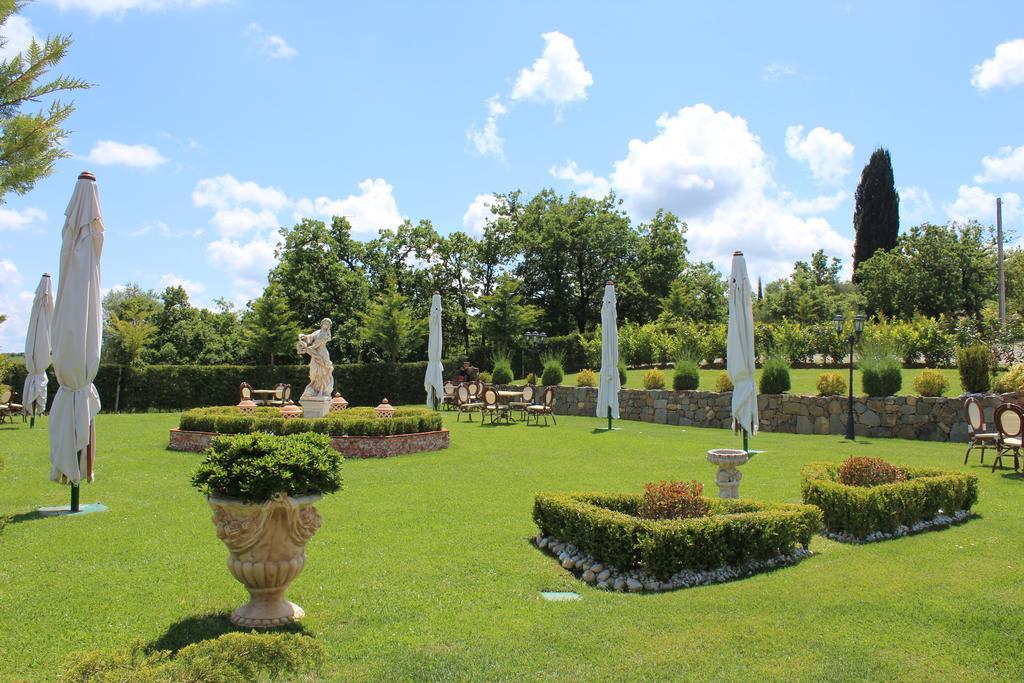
[876, 218]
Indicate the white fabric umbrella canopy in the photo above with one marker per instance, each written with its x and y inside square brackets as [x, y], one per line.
[37, 348]
[740, 348]
[434, 377]
[76, 334]
[609, 386]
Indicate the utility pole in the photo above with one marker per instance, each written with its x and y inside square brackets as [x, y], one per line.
[1002, 270]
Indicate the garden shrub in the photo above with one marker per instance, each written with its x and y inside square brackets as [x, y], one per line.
[553, 373]
[654, 379]
[502, 368]
[859, 471]
[831, 384]
[623, 376]
[1011, 380]
[607, 527]
[880, 368]
[485, 377]
[931, 383]
[531, 378]
[230, 658]
[723, 383]
[862, 510]
[352, 422]
[686, 375]
[973, 363]
[775, 376]
[586, 378]
[256, 467]
[673, 500]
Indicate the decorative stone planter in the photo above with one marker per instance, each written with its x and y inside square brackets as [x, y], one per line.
[267, 550]
[349, 446]
[728, 477]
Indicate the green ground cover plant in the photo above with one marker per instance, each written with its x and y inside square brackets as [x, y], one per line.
[351, 422]
[431, 575]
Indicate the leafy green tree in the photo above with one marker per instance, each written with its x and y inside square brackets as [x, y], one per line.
[270, 326]
[876, 216]
[811, 294]
[457, 278]
[31, 142]
[659, 258]
[504, 317]
[698, 294]
[389, 328]
[128, 303]
[133, 330]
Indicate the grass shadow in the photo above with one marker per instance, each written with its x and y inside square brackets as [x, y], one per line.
[1016, 476]
[202, 627]
[23, 517]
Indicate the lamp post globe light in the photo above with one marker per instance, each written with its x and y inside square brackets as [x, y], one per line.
[858, 328]
[533, 340]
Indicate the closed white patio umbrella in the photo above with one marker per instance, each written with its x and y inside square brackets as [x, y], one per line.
[740, 350]
[37, 349]
[433, 380]
[609, 385]
[76, 334]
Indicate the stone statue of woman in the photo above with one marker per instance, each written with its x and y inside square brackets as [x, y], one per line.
[321, 370]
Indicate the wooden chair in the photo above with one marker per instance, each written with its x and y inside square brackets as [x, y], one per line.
[448, 400]
[287, 392]
[466, 404]
[977, 435]
[493, 407]
[5, 406]
[281, 393]
[244, 392]
[1009, 419]
[474, 388]
[526, 402]
[545, 407]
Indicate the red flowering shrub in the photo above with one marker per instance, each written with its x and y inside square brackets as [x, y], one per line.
[673, 500]
[869, 472]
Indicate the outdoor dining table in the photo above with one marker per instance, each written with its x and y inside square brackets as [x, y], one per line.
[268, 393]
[508, 396]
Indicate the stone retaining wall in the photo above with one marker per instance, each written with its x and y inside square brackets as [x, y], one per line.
[907, 417]
[349, 446]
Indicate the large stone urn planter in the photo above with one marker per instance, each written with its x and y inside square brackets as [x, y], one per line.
[267, 546]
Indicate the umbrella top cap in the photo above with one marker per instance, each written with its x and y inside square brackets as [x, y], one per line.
[87, 175]
[737, 253]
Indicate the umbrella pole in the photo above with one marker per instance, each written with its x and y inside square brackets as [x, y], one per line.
[74, 498]
[745, 440]
[32, 418]
[609, 418]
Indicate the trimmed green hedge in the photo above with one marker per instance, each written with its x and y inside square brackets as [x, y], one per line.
[738, 531]
[351, 422]
[861, 510]
[179, 387]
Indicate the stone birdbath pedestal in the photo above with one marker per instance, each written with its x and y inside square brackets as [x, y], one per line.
[728, 477]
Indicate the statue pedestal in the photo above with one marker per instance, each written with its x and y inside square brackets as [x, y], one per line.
[728, 477]
[313, 408]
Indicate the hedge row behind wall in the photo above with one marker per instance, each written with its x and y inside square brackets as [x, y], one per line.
[177, 387]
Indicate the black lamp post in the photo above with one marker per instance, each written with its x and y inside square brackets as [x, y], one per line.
[533, 340]
[858, 327]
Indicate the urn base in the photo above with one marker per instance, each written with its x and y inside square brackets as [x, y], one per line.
[267, 612]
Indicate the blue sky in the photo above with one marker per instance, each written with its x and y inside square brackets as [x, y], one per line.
[212, 123]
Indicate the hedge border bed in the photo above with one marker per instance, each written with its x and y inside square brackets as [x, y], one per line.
[930, 498]
[349, 446]
[740, 538]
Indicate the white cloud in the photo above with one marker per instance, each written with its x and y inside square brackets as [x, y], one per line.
[558, 75]
[19, 219]
[776, 71]
[1004, 69]
[807, 207]
[916, 205]
[373, 209]
[271, 45]
[974, 203]
[111, 153]
[478, 214]
[1008, 165]
[239, 221]
[225, 192]
[18, 34]
[486, 140]
[16, 304]
[709, 169]
[826, 152]
[589, 185]
[118, 8]
[250, 260]
[191, 286]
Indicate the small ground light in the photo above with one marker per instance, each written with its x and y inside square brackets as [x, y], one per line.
[560, 596]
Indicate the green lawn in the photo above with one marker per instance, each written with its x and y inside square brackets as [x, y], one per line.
[423, 570]
[804, 380]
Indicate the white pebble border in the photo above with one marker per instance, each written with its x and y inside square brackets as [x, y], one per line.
[606, 577]
[939, 521]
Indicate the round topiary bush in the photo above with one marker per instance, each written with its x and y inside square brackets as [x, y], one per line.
[654, 379]
[553, 373]
[857, 471]
[882, 378]
[502, 374]
[723, 383]
[622, 373]
[586, 378]
[775, 376]
[485, 377]
[973, 363]
[931, 383]
[831, 384]
[686, 376]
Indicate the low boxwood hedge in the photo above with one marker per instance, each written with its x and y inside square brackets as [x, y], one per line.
[351, 422]
[738, 531]
[863, 510]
